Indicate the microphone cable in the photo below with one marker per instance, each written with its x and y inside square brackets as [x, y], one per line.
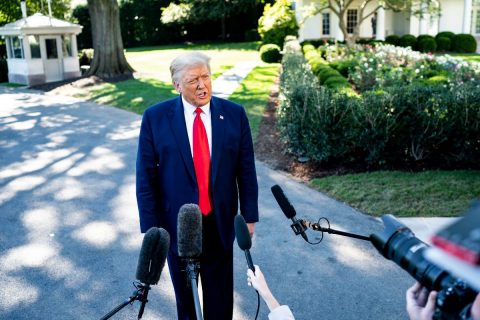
[258, 304]
[321, 232]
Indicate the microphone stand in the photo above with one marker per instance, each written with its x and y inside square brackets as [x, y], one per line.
[316, 227]
[140, 294]
[192, 268]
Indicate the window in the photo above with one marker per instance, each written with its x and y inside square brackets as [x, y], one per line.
[352, 20]
[67, 45]
[477, 22]
[16, 47]
[326, 23]
[34, 47]
[51, 45]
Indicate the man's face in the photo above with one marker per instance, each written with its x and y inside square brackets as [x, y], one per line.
[196, 86]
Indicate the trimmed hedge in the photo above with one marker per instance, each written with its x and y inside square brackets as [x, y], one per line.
[407, 40]
[392, 39]
[270, 53]
[443, 44]
[464, 43]
[446, 34]
[427, 44]
[401, 126]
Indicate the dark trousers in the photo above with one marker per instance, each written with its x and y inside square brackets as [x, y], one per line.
[216, 273]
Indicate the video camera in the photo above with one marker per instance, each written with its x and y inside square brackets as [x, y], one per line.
[398, 243]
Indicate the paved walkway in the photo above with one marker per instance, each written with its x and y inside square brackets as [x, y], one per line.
[69, 235]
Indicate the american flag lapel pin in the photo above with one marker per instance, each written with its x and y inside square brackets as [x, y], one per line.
[221, 117]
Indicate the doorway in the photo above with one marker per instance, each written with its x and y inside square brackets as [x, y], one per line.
[52, 54]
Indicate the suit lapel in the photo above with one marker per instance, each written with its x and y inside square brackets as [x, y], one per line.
[218, 127]
[179, 129]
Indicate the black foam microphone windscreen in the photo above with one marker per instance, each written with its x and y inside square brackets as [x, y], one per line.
[243, 239]
[283, 202]
[152, 255]
[189, 231]
[289, 211]
[243, 235]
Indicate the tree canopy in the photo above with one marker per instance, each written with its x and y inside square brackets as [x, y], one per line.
[10, 9]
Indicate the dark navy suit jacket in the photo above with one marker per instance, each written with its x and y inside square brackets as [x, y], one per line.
[166, 176]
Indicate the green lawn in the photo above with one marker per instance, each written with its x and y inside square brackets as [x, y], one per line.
[254, 91]
[470, 57]
[405, 194]
[154, 62]
[153, 83]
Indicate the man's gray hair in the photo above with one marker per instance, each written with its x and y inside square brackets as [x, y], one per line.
[185, 61]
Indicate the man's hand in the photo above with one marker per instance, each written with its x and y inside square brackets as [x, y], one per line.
[420, 304]
[251, 228]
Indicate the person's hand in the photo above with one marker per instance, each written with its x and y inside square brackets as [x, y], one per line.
[420, 304]
[257, 280]
[251, 228]
[475, 311]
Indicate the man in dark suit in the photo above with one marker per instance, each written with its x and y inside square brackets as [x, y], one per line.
[198, 149]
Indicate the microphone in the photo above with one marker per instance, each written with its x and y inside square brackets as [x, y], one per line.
[150, 265]
[189, 242]
[152, 255]
[289, 211]
[243, 239]
[189, 231]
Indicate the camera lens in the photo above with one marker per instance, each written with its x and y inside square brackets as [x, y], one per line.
[398, 243]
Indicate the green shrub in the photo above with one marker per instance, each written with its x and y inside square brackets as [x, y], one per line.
[437, 80]
[445, 34]
[252, 35]
[307, 47]
[464, 43]
[443, 44]
[427, 44]
[277, 22]
[343, 66]
[407, 40]
[270, 53]
[402, 125]
[328, 73]
[85, 57]
[3, 70]
[335, 80]
[392, 39]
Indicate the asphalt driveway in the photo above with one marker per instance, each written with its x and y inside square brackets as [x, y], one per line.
[69, 234]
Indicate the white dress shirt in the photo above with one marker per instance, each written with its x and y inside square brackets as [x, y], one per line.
[190, 114]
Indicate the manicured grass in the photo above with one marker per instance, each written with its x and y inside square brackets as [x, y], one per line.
[12, 85]
[470, 57]
[134, 95]
[403, 194]
[154, 62]
[254, 91]
[153, 83]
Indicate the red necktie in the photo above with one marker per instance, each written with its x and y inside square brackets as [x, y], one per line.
[201, 161]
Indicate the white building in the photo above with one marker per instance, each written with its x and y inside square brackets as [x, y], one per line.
[458, 16]
[41, 49]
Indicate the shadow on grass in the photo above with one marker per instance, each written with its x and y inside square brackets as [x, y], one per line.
[134, 95]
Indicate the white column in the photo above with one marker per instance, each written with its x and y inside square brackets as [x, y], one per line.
[467, 16]
[380, 24]
[423, 20]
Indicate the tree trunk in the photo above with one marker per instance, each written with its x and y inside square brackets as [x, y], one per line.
[108, 59]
